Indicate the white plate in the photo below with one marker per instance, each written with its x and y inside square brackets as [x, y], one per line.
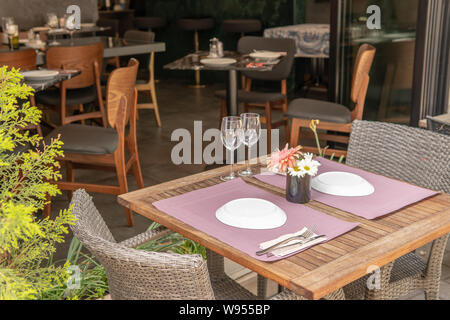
[265, 55]
[251, 213]
[39, 74]
[217, 62]
[342, 184]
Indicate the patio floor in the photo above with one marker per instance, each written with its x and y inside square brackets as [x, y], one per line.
[179, 107]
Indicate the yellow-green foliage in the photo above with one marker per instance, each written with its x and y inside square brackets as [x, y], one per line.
[26, 243]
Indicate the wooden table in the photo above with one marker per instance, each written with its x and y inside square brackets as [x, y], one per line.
[323, 268]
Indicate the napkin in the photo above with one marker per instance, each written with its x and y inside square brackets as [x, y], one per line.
[283, 251]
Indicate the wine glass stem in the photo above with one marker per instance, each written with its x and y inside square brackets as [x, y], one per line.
[248, 160]
[232, 161]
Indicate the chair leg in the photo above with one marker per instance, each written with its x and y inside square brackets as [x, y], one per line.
[69, 177]
[123, 184]
[155, 103]
[81, 109]
[261, 287]
[138, 172]
[286, 129]
[246, 107]
[268, 114]
[295, 132]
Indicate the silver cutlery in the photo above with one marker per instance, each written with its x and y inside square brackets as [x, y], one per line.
[305, 235]
[270, 254]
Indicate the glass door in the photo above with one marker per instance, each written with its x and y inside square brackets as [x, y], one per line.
[389, 96]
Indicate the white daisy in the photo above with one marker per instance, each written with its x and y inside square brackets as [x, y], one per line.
[305, 166]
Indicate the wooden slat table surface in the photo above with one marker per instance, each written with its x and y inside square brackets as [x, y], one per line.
[323, 268]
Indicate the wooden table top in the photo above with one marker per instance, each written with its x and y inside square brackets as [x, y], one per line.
[323, 268]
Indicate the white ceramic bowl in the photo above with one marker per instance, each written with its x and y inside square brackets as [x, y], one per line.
[342, 184]
[251, 213]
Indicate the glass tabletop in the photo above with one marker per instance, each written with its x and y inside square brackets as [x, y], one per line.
[243, 62]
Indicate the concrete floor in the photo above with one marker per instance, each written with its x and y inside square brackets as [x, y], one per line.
[179, 107]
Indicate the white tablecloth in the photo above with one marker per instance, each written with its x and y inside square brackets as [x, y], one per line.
[312, 40]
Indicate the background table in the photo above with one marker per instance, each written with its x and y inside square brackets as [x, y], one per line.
[192, 62]
[114, 47]
[311, 40]
[323, 268]
[44, 84]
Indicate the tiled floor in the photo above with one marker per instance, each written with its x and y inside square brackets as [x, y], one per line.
[179, 107]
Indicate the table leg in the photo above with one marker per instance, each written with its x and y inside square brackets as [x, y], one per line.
[232, 103]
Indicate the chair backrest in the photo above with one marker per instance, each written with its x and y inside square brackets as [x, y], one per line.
[414, 155]
[112, 24]
[137, 35]
[137, 274]
[121, 82]
[438, 125]
[360, 81]
[23, 59]
[282, 70]
[83, 58]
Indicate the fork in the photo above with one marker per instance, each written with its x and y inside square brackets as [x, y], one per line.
[305, 235]
[305, 241]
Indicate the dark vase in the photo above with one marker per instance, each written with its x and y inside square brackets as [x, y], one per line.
[298, 189]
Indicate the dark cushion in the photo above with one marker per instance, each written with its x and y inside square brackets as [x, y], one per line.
[253, 96]
[192, 24]
[85, 139]
[74, 97]
[149, 22]
[241, 25]
[317, 109]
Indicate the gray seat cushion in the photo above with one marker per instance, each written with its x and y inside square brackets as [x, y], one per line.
[241, 25]
[149, 22]
[192, 24]
[85, 139]
[74, 97]
[253, 96]
[317, 109]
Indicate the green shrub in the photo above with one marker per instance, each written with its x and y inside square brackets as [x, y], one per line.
[26, 243]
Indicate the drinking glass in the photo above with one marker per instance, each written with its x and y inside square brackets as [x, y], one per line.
[251, 127]
[232, 136]
[53, 23]
[5, 22]
[13, 36]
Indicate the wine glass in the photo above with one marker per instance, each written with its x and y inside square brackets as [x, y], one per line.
[52, 22]
[232, 136]
[251, 127]
[13, 35]
[69, 25]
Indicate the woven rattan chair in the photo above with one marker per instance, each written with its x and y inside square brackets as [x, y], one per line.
[138, 274]
[437, 125]
[417, 156]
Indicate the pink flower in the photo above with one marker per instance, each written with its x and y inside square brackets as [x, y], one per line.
[281, 160]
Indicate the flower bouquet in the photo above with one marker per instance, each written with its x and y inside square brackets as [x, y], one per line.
[299, 168]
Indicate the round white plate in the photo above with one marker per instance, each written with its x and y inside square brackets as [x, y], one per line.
[251, 213]
[39, 74]
[265, 55]
[217, 62]
[342, 184]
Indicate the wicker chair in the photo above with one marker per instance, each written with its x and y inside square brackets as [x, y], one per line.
[137, 274]
[400, 152]
[437, 125]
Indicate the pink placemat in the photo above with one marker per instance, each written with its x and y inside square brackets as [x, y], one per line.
[390, 195]
[198, 209]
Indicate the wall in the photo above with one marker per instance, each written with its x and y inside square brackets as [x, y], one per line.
[178, 42]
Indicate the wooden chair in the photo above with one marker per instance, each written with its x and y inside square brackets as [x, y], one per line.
[333, 116]
[93, 147]
[142, 85]
[79, 90]
[259, 99]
